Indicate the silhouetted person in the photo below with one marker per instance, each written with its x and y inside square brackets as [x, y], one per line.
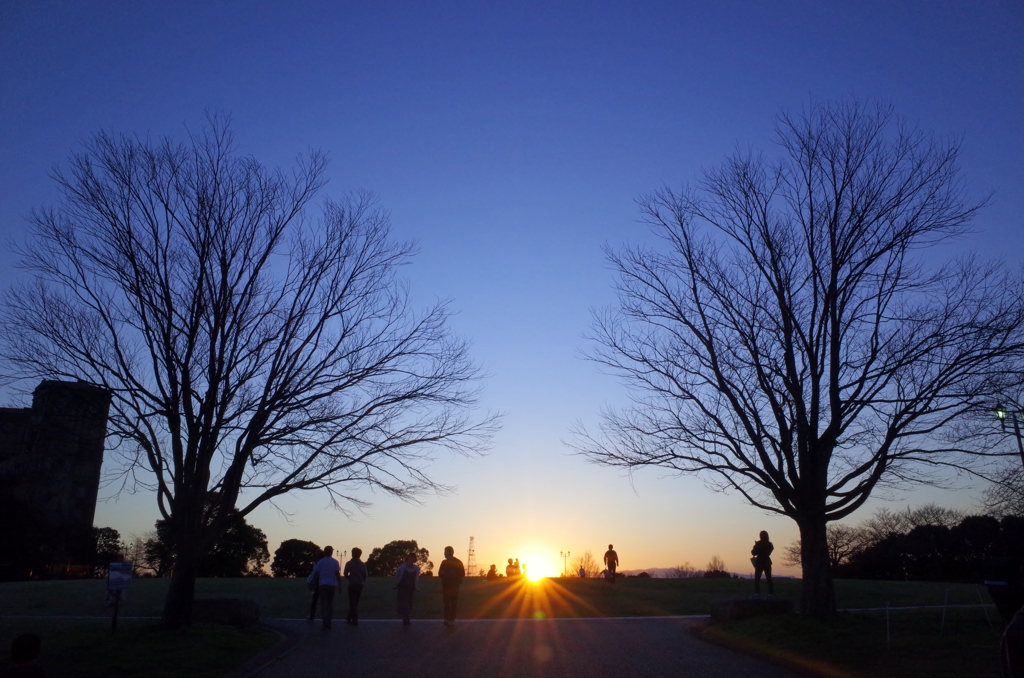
[451, 573]
[492, 573]
[611, 561]
[315, 588]
[762, 552]
[24, 653]
[405, 581]
[355, 573]
[326, 571]
[517, 571]
[583, 572]
[510, 569]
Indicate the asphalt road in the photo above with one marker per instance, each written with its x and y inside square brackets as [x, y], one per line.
[525, 648]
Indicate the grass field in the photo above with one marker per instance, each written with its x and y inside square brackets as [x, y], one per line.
[288, 598]
[74, 622]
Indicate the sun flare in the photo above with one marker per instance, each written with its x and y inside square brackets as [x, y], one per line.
[538, 567]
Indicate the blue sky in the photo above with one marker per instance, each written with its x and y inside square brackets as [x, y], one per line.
[510, 140]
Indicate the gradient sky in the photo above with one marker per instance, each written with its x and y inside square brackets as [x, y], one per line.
[510, 139]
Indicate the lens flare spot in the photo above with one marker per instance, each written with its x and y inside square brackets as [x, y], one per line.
[539, 614]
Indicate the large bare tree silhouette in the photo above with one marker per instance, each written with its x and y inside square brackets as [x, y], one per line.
[790, 341]
[249, 346]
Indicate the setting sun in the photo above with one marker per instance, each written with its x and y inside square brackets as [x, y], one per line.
[539, 567]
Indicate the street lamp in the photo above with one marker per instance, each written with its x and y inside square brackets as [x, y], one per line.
[1015, 417]
[565, 555]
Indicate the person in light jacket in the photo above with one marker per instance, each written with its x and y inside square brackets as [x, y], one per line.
[326, 571]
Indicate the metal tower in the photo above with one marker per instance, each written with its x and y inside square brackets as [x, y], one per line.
[471, 560]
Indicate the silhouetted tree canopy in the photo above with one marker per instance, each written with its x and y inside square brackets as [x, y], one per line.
[106, 549]
[936, 552]
[240, 550]
[247, 343]
[383, 561]
[789, 341]
[295, 558]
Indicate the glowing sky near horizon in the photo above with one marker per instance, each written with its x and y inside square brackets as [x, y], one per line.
[511, 140]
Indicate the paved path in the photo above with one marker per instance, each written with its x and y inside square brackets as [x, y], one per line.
[591, 648]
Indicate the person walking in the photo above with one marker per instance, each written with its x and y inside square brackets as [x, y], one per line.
[405, 581]
[451, 573]
[314, 588]
[355, 573]
[325, 573]
[761, 553]
[611, 561]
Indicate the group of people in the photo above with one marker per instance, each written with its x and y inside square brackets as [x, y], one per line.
[326, 575]
[323, 582]
[514, 569]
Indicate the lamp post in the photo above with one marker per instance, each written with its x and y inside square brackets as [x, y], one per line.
[565, 555]
[1015, 417]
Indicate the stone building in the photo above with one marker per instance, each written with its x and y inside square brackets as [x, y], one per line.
[50, 460]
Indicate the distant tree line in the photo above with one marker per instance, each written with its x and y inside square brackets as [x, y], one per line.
[295, 558]
[929, 543]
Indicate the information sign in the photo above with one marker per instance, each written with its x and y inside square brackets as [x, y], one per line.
[119, 576]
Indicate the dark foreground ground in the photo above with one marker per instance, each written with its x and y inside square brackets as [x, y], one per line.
[514, 648]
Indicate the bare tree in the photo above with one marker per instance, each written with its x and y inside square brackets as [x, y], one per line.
[715, 565]
[843, 541]
[682, 571]
[1005, 497]
[135, 552]
[251, 350]
[789, 340]
[885, 523]
[588, 564]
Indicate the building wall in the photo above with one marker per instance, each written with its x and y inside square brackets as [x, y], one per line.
[51, 456]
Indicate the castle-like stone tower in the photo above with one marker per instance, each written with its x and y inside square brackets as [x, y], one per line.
[50, 459]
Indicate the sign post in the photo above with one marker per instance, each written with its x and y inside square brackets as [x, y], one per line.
[119, 579]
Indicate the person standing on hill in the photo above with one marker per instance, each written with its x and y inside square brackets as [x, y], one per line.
[451, 573]
[611, 561]
[405, 581]
[355, 573]
[325, 573]
[762, 552]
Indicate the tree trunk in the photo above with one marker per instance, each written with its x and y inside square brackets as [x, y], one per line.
[188, 552]
[178, 604]
[817, 594]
